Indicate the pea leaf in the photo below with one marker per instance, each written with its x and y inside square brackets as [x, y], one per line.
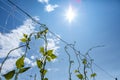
[24, 69]
[48, 58]
[37, 36]
[23, 40]
[25, 35]
[43, 71]
[42, 50]
[45, 78]
[44, 32]
[39, 63]
[84, 61]
[80, 76]
[20, 62]
[53, 56]
[49, 52]
[9, 75]
[76, 71]
[93, 75]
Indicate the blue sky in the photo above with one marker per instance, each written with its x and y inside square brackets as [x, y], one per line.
[97, 22]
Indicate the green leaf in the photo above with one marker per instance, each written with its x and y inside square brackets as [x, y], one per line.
[20, 62]
[44, 32]
[24, 69]
[80, 76]
[76, 71]
[48, 58]
[43, 71]
[23, 40]
[49, 52]
[25, 36]
[37, 36]
[42, 50]
[84, 61]
[39, 64]
[9, 75]
[53, 56]
[93, 75]
[45, 78]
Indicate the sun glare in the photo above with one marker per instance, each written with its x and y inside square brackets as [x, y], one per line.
[70, 14]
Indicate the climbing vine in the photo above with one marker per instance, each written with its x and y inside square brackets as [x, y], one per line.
[84, 61]
[47, 56]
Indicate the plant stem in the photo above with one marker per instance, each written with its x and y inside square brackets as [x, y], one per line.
[69, 58]
[16, 76]
[8, 55]
[85, 72]
[44, 61]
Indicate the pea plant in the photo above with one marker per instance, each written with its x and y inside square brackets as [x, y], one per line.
[84, 62]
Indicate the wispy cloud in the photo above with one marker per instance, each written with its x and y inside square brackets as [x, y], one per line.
[43, 1]
[53, 43]
[32, 57]
[53, 69]
[48, 7]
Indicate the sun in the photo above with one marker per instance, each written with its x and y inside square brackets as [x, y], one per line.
[70, 14]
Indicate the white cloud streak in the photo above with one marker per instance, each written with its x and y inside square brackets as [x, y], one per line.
[43, 1]
[48, 7]
[53, 44]
[53, 69]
